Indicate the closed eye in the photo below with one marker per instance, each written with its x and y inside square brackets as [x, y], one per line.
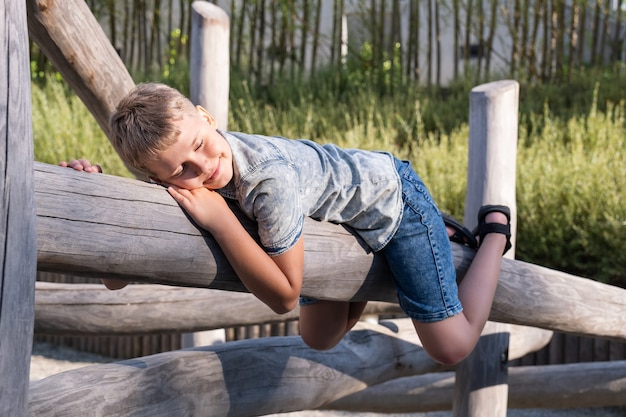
[200, 145]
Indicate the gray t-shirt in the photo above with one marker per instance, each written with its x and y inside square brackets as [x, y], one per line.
[278, 181]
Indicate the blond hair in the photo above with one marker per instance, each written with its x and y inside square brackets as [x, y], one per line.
[143, 124]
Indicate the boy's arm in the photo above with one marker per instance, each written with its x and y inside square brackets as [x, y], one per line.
[276, 281]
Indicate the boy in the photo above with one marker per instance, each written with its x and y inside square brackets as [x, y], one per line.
[277, 182]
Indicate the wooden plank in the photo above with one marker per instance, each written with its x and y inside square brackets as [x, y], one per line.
[582, 385]
[601, 350]
[18, 247]
[245, 378]
[117, 227]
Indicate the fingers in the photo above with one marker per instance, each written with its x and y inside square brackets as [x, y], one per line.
[81, 165]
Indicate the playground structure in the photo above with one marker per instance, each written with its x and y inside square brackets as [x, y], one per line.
[133, 230]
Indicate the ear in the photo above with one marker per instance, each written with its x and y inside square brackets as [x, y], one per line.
[207, 116]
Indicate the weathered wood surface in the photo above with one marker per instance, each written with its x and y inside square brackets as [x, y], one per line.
[91, 309]
[481, 383]
[72, 39]
[577, 385]
[99, 225]
[18, 247]
[246, 378]
[209, 62]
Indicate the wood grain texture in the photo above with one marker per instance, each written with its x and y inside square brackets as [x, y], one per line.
[91, 309]
[481, 382]
[71, 37]
[570, 386]
[18, 246]
[244, 378]
[98, 225]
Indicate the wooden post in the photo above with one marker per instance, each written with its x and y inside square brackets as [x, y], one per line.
[481, 379]
[210, 78]
[210, 60]
[18, 254]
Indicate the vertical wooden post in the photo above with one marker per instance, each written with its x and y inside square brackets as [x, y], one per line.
[210, 60]
[481, 380]
[209, 87]
[18, 254]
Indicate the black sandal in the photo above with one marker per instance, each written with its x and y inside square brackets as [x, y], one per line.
[484, 229]
[461, 234]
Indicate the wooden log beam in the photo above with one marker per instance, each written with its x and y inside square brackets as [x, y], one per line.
[91, 309]
[72, 39]
[576, 385]
[17, 215]
[248, 377]
[105, 226]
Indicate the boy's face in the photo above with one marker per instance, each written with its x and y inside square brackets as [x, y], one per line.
[200, 157]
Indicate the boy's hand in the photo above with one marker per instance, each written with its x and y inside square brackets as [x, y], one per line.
[206, 207]
[81, 165]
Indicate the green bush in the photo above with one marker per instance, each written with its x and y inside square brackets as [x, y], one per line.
[570, 192]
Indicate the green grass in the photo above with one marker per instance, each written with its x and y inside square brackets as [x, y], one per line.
[571, 153]
[63, 129]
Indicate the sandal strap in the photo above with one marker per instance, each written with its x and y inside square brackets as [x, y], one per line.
[483, 229]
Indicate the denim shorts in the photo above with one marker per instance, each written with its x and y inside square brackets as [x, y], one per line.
[420, 256]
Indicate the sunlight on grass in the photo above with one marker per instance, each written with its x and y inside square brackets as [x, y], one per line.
[63, 129]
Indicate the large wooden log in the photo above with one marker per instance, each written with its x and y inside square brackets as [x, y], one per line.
[105, 226]
[83, 309]
[576, 385]
[72, 39]
[17, 224]
[246, 378]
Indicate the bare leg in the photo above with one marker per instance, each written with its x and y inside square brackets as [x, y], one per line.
[451, 340]
[323, 324]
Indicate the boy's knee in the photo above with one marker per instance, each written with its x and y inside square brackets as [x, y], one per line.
[319, 343]
[449, 358]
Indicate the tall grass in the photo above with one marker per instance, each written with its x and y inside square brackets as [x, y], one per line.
[63, 129]
[571, 164]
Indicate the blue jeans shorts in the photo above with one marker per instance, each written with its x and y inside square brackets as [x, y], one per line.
[419, 255]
